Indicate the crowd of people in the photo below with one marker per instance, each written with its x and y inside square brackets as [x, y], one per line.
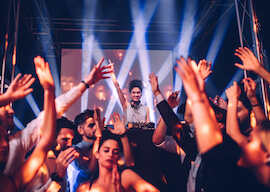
[222, 145]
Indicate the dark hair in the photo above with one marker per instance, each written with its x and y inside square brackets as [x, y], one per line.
[243, 98]
[106, 135]
[135, 83]
[63, 122]
[219, 113]
[81, 118]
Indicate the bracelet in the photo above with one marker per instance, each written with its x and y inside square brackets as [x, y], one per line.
[255, 105]
[123, 135]
[86, 85]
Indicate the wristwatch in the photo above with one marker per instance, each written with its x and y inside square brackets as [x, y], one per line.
[86, 84]
[55, 177]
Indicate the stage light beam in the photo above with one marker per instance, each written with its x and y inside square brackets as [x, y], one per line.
[187, 28]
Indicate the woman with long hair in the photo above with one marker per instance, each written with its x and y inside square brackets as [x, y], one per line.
[108, 178]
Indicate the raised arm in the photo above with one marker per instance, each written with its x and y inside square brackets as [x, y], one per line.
[207, 132]
[18, 89]
[232, 125]
[31, 166]
[64, 101]
[161, 129]
[98, 135]
[96, 74]
[121, 96]
[24, 140]
[251, 63]
[160, 132]
[120, 129]
[169, 117]
[250, 89]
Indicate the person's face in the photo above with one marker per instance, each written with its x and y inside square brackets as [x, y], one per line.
[108, 153]
[254, 153]
[64, 139]
[88, 128]
[135, 94]
[4, 147]
[6, 112]
[242, 112]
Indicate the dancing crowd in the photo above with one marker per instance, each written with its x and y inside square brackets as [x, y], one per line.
[222, 145]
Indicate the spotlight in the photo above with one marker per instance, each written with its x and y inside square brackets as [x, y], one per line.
[186, 34]
[219, 34]
[100, 93]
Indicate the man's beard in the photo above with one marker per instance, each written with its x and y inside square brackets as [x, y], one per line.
[90, 137]
[9, 124]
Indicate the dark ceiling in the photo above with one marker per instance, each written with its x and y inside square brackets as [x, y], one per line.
[111, 21]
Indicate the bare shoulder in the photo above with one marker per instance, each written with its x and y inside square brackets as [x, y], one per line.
[129, 178]
[127, 172]
[132, 181]
[83, 187]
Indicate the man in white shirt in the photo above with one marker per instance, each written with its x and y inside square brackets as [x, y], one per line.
[23, 141]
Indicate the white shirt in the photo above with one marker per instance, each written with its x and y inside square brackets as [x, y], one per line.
[28, 137]
[136, 115]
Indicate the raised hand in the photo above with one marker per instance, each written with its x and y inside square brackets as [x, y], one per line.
[204, 68]
[173, 101]
[250, 87]
[98, 72]
[18, 89]
[64, 159]
[219, 101]
[111, 65]
[233, 92]
[98, 122]
[153, 80]
[207, 132]
[192, 80]
[119, 126]
[44, 73]
[250, 62]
